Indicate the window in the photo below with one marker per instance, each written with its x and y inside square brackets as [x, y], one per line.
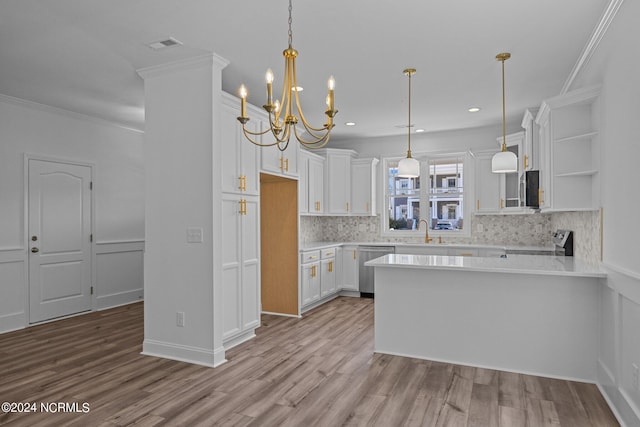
[439, 202]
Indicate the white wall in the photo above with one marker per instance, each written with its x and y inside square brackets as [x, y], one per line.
[616, 64]
[116, 153]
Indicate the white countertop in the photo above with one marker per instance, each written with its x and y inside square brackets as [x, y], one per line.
[517, 264]
[309, 246]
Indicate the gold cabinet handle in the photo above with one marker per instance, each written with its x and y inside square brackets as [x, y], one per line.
[243, 183]
[347, 206]
[286, 165]
[313, 271]
[478, 204]
[281, 163]
[330, 266]
[329, 254]
[526, 161]
[243, 207]
[540, 198]
[354, 254]
[501, 203]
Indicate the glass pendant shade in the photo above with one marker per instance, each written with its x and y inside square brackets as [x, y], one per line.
[408, 168]
[504, 162]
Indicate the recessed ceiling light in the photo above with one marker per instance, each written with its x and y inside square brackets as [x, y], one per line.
[419, 130]
[163, 44]
[350, 124]
[474, 109]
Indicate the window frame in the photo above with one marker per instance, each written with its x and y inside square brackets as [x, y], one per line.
[423, 195]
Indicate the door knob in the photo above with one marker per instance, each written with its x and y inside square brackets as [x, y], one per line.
[34, 250]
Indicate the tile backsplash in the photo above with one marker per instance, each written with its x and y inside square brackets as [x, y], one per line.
[511, 230]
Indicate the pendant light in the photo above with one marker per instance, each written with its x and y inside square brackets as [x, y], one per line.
[504, 161]
[409, 167]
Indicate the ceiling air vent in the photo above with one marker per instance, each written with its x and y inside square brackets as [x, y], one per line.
[163, 44]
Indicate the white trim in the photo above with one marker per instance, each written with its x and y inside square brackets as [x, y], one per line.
[104, 302]
[67, 113]
[183, 353]
[592, 45]
[209, 59]
[295, 316]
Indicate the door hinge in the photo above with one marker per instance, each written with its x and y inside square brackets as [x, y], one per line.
[90, 185]
[92, 290]
[91, 237]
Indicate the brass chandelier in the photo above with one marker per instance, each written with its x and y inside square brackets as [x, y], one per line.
[282, 118]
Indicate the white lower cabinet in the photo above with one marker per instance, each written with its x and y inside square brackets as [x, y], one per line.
[240, 267]
[310, 277]
[349, 268]
[328, 272]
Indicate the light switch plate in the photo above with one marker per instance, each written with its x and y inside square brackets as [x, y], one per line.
[194, 235]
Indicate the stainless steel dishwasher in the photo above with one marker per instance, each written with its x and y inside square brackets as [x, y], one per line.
[367, 253]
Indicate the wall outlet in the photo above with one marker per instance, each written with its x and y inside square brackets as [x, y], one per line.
[180, 319]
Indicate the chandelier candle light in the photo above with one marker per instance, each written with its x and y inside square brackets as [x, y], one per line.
[504, 161]
[409, 167]
[281, 112]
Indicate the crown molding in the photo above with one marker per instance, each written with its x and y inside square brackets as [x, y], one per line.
[591, 46]
[209, 59]
[67, 113]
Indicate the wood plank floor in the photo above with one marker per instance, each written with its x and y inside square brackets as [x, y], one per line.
[319, 370]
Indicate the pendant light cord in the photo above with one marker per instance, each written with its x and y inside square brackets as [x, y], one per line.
[504, 115]
[290, 20]
[409, 124]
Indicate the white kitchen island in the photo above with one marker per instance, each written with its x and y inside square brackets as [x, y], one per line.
[525, 313]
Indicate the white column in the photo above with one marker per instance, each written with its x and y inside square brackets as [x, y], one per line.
[183, 195]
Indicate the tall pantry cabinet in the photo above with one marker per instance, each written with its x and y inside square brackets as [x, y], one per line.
[240, 228]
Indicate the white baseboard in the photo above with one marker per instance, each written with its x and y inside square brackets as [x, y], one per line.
[13, 322]
[182, 353]
[104, 302]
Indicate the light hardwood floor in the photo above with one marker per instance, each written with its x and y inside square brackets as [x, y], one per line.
[318, 370]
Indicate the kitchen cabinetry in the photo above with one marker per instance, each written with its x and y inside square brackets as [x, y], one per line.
[349, 268]
[487, 184]
[512, 183]
[310, 277]
[240, 266]
[570, 151]
[327, 272]
[337, 178]
[282, 163]
[311, 184]
[363, 186]
[239, 156]
[531, 155]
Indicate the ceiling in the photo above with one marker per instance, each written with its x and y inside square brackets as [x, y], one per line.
[82, 55]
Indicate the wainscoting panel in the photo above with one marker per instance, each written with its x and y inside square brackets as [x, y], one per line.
[119, 273]
[619, 343]
[13, 287]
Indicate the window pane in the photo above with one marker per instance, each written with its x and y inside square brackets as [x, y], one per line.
[446, 191]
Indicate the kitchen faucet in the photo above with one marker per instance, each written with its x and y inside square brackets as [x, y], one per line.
[427, 239]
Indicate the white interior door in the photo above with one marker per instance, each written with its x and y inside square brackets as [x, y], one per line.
[59, 239]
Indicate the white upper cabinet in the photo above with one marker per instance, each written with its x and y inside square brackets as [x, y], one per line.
[570, 149]
[239, 156]
[337, 180]
[311, 183]
[363, 186]
[487, 184]
[512, 183]
[531, 155]
[274, 161]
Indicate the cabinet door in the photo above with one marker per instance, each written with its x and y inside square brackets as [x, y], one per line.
[303, 184]
[239, 156]
[310, 282]
[231, 266]
[487, 185]
[350, 268]
[250, 274]
[316, 186]
[361, 188]
[327, 277]
[339, 183]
